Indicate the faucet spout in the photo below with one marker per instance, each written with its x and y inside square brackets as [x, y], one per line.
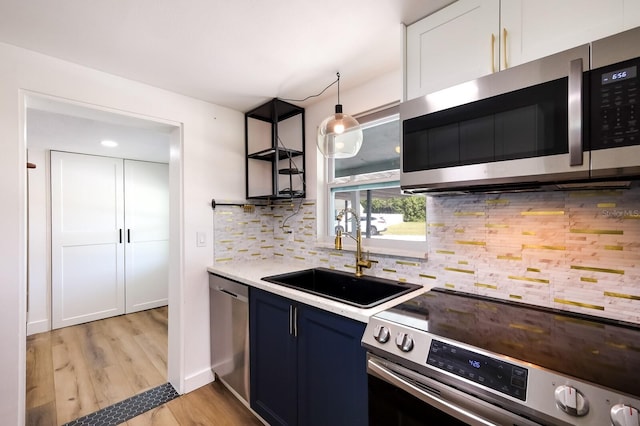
[361, 262]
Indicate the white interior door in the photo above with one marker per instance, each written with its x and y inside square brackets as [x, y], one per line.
[147, 234]
[87, 238]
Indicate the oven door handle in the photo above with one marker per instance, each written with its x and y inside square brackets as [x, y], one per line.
[458, 412]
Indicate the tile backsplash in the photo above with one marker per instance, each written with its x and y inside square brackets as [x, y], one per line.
[576, 250]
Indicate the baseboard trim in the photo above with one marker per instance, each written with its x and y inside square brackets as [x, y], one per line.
[36, 327]
[197, 380]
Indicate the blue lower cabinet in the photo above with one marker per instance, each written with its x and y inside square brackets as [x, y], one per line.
[307, 365]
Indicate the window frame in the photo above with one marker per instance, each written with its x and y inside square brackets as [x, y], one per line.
[413, 249]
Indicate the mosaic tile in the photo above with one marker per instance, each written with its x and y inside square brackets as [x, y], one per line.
[129, 408]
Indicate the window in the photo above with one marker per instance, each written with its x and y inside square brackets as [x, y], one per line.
[369, 185]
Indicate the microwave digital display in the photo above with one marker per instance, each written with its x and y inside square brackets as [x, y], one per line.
[623, 74]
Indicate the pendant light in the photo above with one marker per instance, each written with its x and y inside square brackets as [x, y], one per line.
[339, 135]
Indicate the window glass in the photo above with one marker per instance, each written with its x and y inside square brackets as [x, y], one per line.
[369, 186]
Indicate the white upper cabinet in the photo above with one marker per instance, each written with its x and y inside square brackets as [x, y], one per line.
[472, 38]
[453, 45]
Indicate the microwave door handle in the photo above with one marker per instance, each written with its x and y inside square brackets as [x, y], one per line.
[575, 112]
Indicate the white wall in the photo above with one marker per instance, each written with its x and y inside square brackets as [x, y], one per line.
[207, 164]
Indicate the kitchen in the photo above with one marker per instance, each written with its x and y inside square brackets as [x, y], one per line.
[194, 178]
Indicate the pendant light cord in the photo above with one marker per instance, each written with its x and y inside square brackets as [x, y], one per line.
[337, 80]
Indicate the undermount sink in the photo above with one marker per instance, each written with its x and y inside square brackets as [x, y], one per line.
[363, 292]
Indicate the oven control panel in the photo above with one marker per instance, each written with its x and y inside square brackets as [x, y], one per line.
[499, 375]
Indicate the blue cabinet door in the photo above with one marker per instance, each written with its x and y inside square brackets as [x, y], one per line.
[332, 374]
[273, 359]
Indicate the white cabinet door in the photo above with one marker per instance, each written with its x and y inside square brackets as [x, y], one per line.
[454, 45]
[87, 265]
[147, 225]
[537, 28]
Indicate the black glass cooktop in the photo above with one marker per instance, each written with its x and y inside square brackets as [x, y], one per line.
[604, 352]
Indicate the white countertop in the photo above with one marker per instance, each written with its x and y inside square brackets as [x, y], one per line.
[250, 273]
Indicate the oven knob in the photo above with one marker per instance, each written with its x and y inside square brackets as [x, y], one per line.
[404, 342]
[381, 333]
[571, 401]
[624, 415]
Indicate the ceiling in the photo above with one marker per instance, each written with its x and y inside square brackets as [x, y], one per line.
[234, 53]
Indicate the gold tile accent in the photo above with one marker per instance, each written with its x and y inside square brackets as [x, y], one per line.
[543, 213]
[445, 252]
[402, 280]
[308, 218]
[350, 266]
[471, 243]
[594, 269]
[224, 212]
[580, 304]
[462, 262]
[533, 280]
[435, 224]
[335, 254]
[621, 295]
[266, 247]
[497, 201]
[527, 327]
[597, 231]
[313, 252]
[299, 257]
[543, 247]
[279, 238]
[496, 225]
[431, 277]
[465, 271]
[389, 270]
[588, 280]
[402, 262]
[617, 248]
[533, 270]
[224, 259]
[256, 254]
[528, 233]
[225, 241]
[509, 257]
[449, 285]
[460, 214]
[459, 231]
[490, 286]
[632, 216]
[242, 250]
[515, 296]
[606, 205]
[310, 203]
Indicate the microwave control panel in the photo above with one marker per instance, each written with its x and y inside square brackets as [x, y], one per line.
[614, 111]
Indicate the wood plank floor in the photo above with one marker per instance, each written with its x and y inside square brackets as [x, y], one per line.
[75, 371]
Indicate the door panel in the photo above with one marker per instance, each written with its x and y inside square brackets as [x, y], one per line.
[87, 265]
[147, 224]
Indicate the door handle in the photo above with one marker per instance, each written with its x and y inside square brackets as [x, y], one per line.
[293, 320]
[575, 112]
[120, 232]
[128, 235]
[493, 53]
[504, 47]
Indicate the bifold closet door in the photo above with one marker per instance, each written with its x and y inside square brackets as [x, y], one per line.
[147, 234]
[87, 238]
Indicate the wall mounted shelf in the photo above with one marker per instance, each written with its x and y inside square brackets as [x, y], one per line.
[275, 151]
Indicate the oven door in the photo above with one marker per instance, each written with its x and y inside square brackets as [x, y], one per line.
[398, 396]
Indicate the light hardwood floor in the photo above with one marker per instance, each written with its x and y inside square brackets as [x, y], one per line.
[75, 371]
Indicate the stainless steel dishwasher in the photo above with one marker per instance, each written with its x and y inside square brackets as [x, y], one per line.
[229, 319]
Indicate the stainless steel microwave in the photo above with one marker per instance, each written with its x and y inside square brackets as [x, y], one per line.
[568, 117]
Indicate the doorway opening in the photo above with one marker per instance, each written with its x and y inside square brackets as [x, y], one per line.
[61, 125]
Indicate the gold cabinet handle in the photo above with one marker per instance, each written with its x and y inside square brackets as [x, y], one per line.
[504, 46]
[493, 53]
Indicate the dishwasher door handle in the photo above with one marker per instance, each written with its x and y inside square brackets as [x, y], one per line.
[234, 295]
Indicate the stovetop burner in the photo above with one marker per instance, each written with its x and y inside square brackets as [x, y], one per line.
[603, 352]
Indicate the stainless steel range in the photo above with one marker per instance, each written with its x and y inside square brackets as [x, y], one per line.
[446, 358]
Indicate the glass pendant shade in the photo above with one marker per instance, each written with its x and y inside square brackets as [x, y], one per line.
[339, 135]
